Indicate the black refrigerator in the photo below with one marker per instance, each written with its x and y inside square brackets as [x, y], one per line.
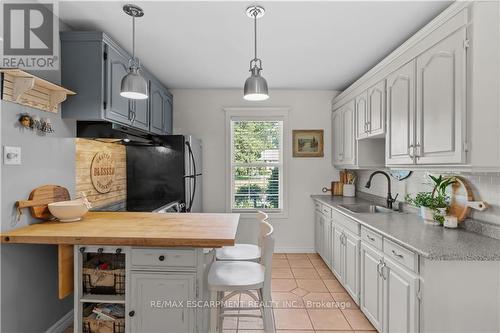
[165, 173]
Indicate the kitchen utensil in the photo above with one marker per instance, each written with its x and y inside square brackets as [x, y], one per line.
[40, 197]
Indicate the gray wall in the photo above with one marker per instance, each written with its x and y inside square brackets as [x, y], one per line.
[29, 272]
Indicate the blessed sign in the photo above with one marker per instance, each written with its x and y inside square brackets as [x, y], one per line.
[102, 172]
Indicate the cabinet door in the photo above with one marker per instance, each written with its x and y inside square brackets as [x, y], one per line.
[327, 240]
[361, 116]
[156, 301]
[338, 137]
[140, 108]
[168, 114]
[337, 252]
[317, 231]
[376, 109]
[371, 285]
[400, 115]
[351, 265]
[117, 107]
[441, 87]
[157, 109]
[400, 303]
[349, 136]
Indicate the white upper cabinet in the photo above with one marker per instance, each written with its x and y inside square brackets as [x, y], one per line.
[441, 91]
[376, 110]
[435, 98]
[344, 138]
[337, 136]
[362, 129]
[349, 157]
[400, 115]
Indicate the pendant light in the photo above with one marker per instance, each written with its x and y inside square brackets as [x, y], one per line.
[255, 86]
[134, 86]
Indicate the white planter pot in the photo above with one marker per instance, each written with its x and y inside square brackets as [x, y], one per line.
[426, 213]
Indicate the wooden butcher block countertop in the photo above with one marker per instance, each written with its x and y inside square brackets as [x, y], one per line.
[133, 229]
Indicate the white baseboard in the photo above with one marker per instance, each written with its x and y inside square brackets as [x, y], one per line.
[294, 250]
[63, 323]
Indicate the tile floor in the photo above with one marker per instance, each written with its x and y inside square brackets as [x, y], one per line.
[306, 298]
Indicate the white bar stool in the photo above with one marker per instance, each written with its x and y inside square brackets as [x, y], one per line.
[241, 277]
[243, 252]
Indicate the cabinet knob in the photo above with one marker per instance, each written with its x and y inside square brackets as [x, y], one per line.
[131, 313]
[161, 258]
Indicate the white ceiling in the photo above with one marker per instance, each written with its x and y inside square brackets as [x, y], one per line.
[303, 45]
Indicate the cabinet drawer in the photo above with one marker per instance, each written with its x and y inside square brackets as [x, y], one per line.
[327, 211]
[163, 258]
[371, 238]
[400, 254]
[318, 206]
[346, 222]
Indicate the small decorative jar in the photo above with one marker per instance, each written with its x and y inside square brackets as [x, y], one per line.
[450, 222]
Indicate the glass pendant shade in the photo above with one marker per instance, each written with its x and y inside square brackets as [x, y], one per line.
[134, 86]
[255, 87]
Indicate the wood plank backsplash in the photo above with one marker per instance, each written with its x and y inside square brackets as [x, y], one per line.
[85, 152]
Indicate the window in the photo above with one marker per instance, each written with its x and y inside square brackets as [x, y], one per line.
[256, 163]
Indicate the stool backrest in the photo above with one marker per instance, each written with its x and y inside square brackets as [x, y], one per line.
[266, 243]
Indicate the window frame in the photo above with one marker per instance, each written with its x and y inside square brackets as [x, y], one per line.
[258, 114]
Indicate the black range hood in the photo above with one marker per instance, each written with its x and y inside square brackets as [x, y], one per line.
[107, 130]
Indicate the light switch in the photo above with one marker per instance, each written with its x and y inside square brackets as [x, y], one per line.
[11, 155]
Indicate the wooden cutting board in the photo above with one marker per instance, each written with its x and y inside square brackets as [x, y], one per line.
[40, 197]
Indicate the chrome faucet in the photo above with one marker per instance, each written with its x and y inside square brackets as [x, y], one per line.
[390, 199]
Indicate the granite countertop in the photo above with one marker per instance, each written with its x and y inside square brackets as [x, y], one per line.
[430, 241]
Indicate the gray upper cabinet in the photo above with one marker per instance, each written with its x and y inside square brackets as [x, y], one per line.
[116, 107]
[93, 65]
[161, 109]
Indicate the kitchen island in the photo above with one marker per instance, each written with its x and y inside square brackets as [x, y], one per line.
[160, 265]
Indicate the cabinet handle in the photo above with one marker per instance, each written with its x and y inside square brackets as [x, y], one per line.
[382, 271]
[370, 238]
[380, 263]
[411, 151]
[161, 258]
[131, 313]
[417, 149]
[397, 254]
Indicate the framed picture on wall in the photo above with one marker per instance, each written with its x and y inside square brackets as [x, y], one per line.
[307, 143]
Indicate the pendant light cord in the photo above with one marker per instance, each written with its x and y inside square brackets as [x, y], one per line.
[133, 38]
[255, 13]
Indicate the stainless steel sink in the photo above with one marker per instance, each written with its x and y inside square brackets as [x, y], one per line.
[365, 208]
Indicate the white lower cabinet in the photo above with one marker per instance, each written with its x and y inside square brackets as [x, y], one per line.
[337, 260]
[351, 264]
[158, 302]
[345, 259]
[388, 294]
[400, 303]
[327, 241]
[371, 285]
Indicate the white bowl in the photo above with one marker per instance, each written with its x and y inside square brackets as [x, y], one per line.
[68, 211]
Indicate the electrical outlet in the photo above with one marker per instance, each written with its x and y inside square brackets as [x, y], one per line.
[11, 155]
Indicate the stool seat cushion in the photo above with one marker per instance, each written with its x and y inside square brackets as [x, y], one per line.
[238, 252]
[235, 275]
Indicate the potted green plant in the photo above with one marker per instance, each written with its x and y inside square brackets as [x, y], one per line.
[433, 205]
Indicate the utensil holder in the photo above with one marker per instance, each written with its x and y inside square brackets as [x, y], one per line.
[349, 190]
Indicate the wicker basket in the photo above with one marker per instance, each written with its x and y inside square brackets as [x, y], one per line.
[92, 325]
